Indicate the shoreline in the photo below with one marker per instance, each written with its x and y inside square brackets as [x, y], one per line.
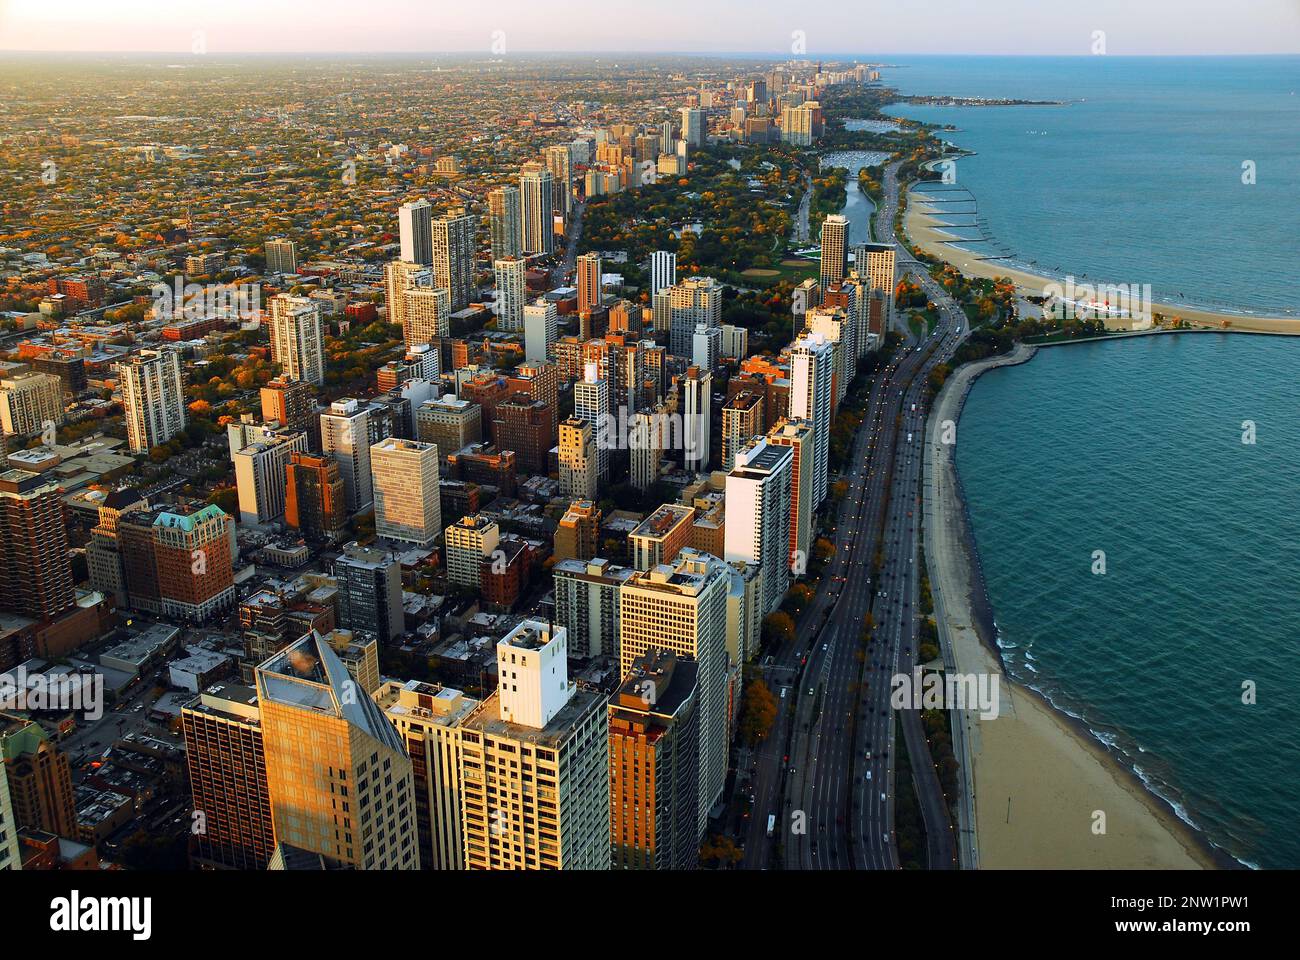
[921, 225]
[1035, 776]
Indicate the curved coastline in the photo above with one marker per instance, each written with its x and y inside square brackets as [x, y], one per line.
[923, 226]
[1047, 756]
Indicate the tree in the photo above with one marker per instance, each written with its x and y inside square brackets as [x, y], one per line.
[778, 627]
[758, 713]
[720, 851]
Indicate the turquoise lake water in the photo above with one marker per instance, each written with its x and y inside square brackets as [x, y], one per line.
[1138, 179]
[1135, 448]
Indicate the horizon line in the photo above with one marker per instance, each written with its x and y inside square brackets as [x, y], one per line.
[524, 54]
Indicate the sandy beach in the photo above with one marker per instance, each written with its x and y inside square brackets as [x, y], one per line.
[920, 225]
[1038, 778]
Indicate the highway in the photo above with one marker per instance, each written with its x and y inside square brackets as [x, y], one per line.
[827, 770]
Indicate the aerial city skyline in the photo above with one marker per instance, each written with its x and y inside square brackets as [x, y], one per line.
[500, 454]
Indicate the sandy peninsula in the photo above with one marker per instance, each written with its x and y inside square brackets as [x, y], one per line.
[925, 229]
[1038, 780]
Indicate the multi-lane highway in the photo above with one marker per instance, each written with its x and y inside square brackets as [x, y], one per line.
[827, 772]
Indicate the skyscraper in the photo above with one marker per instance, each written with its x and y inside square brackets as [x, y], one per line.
[35, 572]
[535, 763]
[694, 301]
[407, 506]
[758, 515]
[453, 257]
[812, 360]
[537, 209]
[281, 256]
[682, 609]
[692, 126]
[153, 395]
[559, 160]
[297, 341]
[345, 438]
[587, 604]
[428, 717]
[104, 556]
[797, 125]
[578, 535]
[292, 404]
[697, 390]
[577, 460]
[39, 776]
[30, 401]
[742, 420]
[663, 271]
[512, 292]
[338, 775]
[589, 288]
[399, 277]
[415, 229]
[370, 592]
[654, 765]
[10, 854]
[315, 501]
[838, 328]
[225, 753]
[835, 249]
[666, 136]
[504, 222]
[260, 474]
[661, 536]
[798, 435]
[469, 541]
[541, 330]
[426, 316]
[706, 347]
[647, 442]
[195, 569]
[875, 262]
[591, 402]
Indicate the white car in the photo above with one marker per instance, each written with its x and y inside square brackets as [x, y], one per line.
[868, 774]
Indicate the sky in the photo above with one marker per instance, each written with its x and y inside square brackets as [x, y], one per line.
[775, 27]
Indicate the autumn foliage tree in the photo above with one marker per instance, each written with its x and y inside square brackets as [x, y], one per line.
[758, 713]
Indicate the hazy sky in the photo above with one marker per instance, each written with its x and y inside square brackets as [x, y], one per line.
[864, 27]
